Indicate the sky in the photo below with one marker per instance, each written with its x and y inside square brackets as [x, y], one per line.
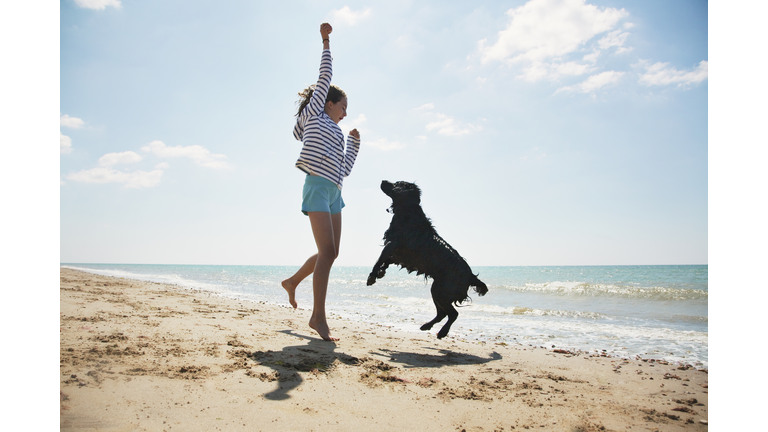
[541, 132]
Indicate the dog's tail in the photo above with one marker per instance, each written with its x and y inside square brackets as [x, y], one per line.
[480, 287]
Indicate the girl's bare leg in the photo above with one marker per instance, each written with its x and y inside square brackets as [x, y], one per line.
[326, 229]
[292, 282]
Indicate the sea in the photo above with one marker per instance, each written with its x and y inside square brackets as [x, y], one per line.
[653, 312]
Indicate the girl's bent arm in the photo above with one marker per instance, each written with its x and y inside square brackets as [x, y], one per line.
[353, 147]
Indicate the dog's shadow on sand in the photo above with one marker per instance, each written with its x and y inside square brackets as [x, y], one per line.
[318, 356]
[315, 356]
[441, 357]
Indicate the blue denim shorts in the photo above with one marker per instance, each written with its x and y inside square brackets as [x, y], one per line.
[321, 195]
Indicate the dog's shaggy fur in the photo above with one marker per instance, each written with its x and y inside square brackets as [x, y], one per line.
[412, 243]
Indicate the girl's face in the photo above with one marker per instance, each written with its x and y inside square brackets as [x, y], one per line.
[336, 111]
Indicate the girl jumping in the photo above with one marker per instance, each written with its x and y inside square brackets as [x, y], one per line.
[326, 161]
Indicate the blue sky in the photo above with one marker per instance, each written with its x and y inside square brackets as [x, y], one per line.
[541, 132]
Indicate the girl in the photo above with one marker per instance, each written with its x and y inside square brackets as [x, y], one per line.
[324, 159]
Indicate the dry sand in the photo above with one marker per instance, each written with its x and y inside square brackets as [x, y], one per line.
[146, 356]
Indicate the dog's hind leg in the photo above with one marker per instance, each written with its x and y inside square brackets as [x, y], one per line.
[437, 319]
[444, 304]
[452, 315]
[440, 313]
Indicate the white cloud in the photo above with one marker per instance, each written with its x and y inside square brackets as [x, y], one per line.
[134, 180]
[379, 143]
[106, 173]
[615, 39]
[541, 34]
[662, 74]
[592, 57]
[98, 4]
[356, 123]
[544, 29]
[65, 143]
[348, 16]
[71, 122]
[571, 68]
[444, 124]
[538, 70]
[593, 83]
[384, 144]
[110, 159]
[199, 154]
[535, 72]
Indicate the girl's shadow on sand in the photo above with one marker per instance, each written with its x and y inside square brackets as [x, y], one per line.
[318, 356]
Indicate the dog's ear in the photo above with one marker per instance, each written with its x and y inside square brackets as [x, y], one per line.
[404, 194]
[418, 189]
[404, 187]
[415, 191]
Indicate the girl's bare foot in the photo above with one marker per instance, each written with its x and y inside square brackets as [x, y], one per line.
[322, 330]
[291, 288]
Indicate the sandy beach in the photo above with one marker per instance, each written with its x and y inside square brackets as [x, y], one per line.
[138, 355]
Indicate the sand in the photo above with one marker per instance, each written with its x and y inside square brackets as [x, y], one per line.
[145, 356]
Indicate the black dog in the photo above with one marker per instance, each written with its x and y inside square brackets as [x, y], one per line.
[412, 243]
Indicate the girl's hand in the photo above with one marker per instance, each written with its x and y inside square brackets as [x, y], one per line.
[325, 30]
[355, 133]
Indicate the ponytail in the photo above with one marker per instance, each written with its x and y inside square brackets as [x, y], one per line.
[304, 97]
[335, 94]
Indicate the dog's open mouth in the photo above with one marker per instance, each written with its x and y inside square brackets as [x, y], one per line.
[387, 188]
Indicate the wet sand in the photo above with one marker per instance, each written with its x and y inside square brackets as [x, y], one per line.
[145, 356]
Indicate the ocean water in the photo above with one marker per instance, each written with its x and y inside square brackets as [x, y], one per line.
[657, 312]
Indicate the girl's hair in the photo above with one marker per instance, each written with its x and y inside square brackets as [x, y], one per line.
[335, 94]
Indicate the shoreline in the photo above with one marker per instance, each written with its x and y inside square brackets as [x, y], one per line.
[533, 322]
[138, 355]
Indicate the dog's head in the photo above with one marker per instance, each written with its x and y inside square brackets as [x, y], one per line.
[402, 193]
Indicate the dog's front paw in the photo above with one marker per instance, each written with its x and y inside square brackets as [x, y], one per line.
[371, 279]
[426, 327]
[442, 333]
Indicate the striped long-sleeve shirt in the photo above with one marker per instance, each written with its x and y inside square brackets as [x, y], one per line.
[323, 153]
